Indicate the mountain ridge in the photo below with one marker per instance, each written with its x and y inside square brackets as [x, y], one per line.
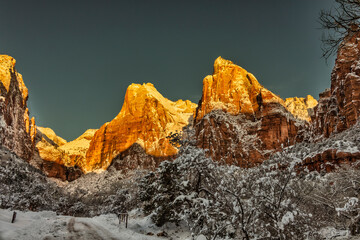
[147, 118]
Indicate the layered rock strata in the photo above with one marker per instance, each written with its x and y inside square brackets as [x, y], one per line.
[239, 121]
[17, 130]
[146, 119]
[339, 106]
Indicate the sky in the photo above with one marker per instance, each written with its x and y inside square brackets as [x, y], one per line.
[78, 57]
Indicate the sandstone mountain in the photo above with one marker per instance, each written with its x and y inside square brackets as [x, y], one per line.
[233, 90]
[62, 159]
[339, 106]
[17, 131]
[146, 119]
[240, 121]
[51, 135]
[76, 149]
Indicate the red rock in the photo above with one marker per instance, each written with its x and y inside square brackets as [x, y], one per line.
[339, 106]
[17, 131]
[329, 159]
[239, 121]
[56, 170]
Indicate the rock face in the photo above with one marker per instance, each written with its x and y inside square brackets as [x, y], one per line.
[300, 107]
[233, 90]
[62, 159]
[146, 118]
[135, 157]
[330, 159]
[238, 120]
[48, 144]
[76, 149]
[339, 106]
[17, 131]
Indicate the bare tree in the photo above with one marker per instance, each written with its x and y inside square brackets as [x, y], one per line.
[339, 21]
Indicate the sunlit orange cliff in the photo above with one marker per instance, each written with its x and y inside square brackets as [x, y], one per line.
[146, 118]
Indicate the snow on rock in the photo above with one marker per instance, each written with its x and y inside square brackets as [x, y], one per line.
[247, 140]
[241, 122]
[17, 130]
[326, 153]
[333, 233]
[339, 106]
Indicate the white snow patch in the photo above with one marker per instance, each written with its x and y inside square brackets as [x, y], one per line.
[48, 225]
[333, 233]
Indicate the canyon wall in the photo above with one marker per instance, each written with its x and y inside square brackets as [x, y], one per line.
[339, 106]
[17, 131]
[241, 122]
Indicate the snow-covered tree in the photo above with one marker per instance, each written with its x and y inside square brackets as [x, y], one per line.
[218, 200]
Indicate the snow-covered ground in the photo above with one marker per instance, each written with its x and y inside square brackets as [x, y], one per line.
[47, 225]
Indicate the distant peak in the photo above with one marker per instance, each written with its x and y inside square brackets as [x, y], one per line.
[298, 106]
[48, 132]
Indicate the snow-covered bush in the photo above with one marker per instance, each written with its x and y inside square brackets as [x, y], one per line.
[24, 187]
[335, 199]
[218, 200]
[159, 192]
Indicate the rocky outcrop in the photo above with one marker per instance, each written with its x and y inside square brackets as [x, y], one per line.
[76, 149]
[56, 170]
[301, 108]
[62, 159]
[135, 157]
[17, 131]
[329, 159]
[233, 90]
[339, 106]
[48, 145]
[146, 118]
[239, 121]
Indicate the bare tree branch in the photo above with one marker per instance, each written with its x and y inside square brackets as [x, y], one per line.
[338, 22]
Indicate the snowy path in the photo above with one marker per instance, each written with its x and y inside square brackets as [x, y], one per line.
[49, 226]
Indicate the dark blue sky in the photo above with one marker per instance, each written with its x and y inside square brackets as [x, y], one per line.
[78, 57]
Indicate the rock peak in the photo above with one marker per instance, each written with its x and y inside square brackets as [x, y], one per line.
[146, 118]
[221, 63]
[17, 130]
[233, 90]
[7, 67]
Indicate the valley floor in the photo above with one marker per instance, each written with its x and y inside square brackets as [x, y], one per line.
[47, 225]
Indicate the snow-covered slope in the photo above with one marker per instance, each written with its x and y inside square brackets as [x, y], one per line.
[49, 225]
